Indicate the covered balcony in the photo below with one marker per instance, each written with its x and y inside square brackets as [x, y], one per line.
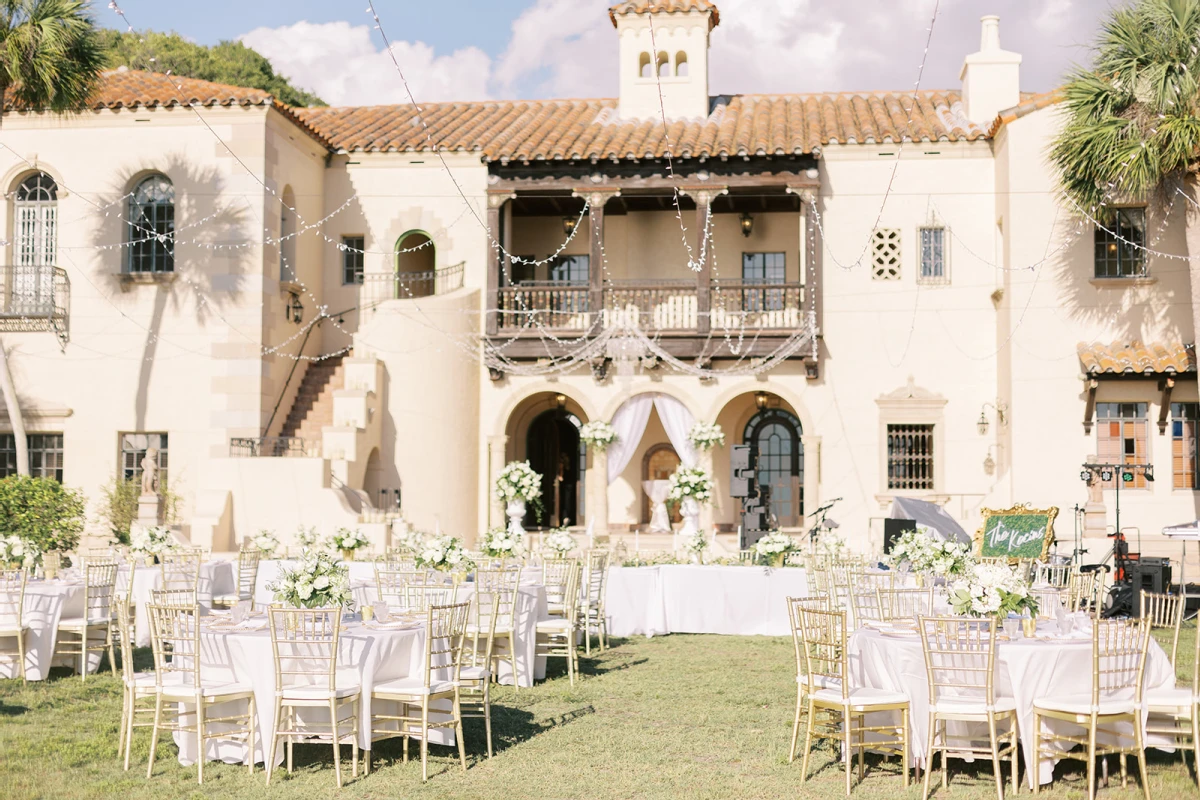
[35, 299]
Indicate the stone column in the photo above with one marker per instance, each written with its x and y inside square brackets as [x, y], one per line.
[704, 460]
[813, 291]
[597, 507]
[704, 197]
[496, 454]
[596, 200]
[1095, 512]
[495, 217]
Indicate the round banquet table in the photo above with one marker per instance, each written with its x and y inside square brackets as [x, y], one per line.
[367, 655]
[46, 603]
[1026, 669]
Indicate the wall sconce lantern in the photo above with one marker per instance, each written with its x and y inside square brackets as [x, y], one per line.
[569, 224]
[560, 401]
[295, 309]
[747, 223]
[1001, 415]
[760, 400]
[982, 424]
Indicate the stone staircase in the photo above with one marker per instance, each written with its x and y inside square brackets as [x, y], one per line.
[312, 409]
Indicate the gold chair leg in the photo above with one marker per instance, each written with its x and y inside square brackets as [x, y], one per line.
[1141, 754]
[129, 728]
[337, 742]
[21, 657]
[1091, 757]
[269, 753]
[995, 744]
[458, 731]
[425, 739]
[487, 715]
[808, 736]
[154, 735]
[356, 706]
[200, 754]
[796, 723]
[904, 753]
[512, 654]
[847, 724]
[1196, 737]
[1035, 779]
[1014, 760]
[929, 755]
[250, 740]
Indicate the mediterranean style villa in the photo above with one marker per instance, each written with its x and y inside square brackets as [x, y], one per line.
[330, 316]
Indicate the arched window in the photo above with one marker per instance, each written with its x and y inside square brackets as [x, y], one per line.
[287, 236]
[152, 226]
[681, 64]
[644, 69]
[35, 221]
[416, 262]
[664, 65]
[774, 438]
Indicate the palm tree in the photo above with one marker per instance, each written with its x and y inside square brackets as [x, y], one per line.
[1133, 120]
[50, 59]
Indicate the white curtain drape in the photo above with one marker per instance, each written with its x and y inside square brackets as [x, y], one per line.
[678, 422]
[629, 423]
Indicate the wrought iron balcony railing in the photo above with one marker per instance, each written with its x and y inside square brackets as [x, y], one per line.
[34, 299]
[378, 287]
[269, 447]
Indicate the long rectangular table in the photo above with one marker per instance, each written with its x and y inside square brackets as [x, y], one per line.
[690, 598]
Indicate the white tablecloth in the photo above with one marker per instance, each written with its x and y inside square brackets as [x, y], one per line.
[374, 656]
[46, 602]
[1026, 670]
[216, 578]
[684, 598]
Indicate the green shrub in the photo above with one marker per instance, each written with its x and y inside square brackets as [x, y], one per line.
[42, 511]
[119, 506]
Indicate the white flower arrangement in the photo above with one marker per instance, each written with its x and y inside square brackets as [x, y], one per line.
[706, 436]
[316, 582]
[265, 542]
[598, 435]
[774, 547]
[831, 545]
[501, 543]
[518, 481]
[559, 542]
[346, 539]
[690, 482]
[444, 553]
[152, 541]
[307, 538]
[405, 537]
[945, 559]
[15, 550]
[694, 543]
[991, 590]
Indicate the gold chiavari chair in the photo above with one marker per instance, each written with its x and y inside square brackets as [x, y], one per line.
[180, 683]
[864, 604]
[795, 606]
[505, 585]
[420, 597]
[1175, 711]
[820, 581]
[248, 561]
[592, 604]
[396, 563]
[390, 585]
[960, 662]
[91, 632]
[1165, 612]
[877, 580]
[51, 563]
[136, 686]
[1053, 574]
[173, 597]
[554, 578]
[12, 617]
[475, 673]
[1081, 591]
[445, 628]
[844, 577]
[304, 642]
[556, 636]
[1118, 669]
[904, 604]
[180, 570]
[824, 634]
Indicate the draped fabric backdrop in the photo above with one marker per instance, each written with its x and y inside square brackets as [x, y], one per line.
[630, 423]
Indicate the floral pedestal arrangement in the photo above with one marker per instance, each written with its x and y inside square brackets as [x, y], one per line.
[690, 488]
[517, 485]
[515, 511]
[348, 541]
[558, 543]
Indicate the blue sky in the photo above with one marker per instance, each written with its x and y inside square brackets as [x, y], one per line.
[495, 49]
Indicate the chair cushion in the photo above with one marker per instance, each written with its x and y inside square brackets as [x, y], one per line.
[321, 692]
[142, 680]
[474, 673]
[555, 625]
[1170, 700]
[973, 705]
[1116, 703]
[176, 689]
[7, 629]
[820, 681]
[78, 622]
[861, 698]
[411, 687]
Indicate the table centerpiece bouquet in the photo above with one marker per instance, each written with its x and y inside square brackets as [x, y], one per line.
[517, 485]
[706, 436]
[558, 542]
[928, 556]
[307, 538]
[694, 544]
[598, 435]
[407, 539]
[690, 488]
[445, 554]
[347, 541]
[265, 543]
[773, 548]
[16, 552]
[501, 543]
[316, 582]
[151, 542]
[991, 590]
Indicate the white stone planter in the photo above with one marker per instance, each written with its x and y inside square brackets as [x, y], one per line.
[689, 509]
[516, 512]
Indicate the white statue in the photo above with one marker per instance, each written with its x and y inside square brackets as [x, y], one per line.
[150, 471]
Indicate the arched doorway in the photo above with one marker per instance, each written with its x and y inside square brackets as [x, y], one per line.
[554, 451]
[659, 464]
[774, 438]
[416, 260]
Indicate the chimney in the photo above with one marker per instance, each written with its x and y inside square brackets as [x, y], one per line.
[991, 78]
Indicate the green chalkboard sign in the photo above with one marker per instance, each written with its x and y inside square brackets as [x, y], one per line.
[1017, 532]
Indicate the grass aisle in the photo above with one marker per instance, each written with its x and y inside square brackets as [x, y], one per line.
[673, 717]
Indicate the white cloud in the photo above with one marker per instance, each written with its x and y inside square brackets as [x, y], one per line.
[341, 64]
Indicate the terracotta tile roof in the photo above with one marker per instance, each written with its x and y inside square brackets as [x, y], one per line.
[1028, 105]
[530, 130]
[137, 89]
[667, 6]
[1136, 358]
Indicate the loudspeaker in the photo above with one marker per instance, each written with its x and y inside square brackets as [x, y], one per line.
[740, 457]
[1149, 575]
[892, 530]
[742, 487]
[741, 471]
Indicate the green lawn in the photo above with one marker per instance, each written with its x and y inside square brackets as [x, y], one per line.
[672, 717]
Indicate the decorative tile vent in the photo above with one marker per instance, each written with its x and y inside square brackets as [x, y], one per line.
[885, 254]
